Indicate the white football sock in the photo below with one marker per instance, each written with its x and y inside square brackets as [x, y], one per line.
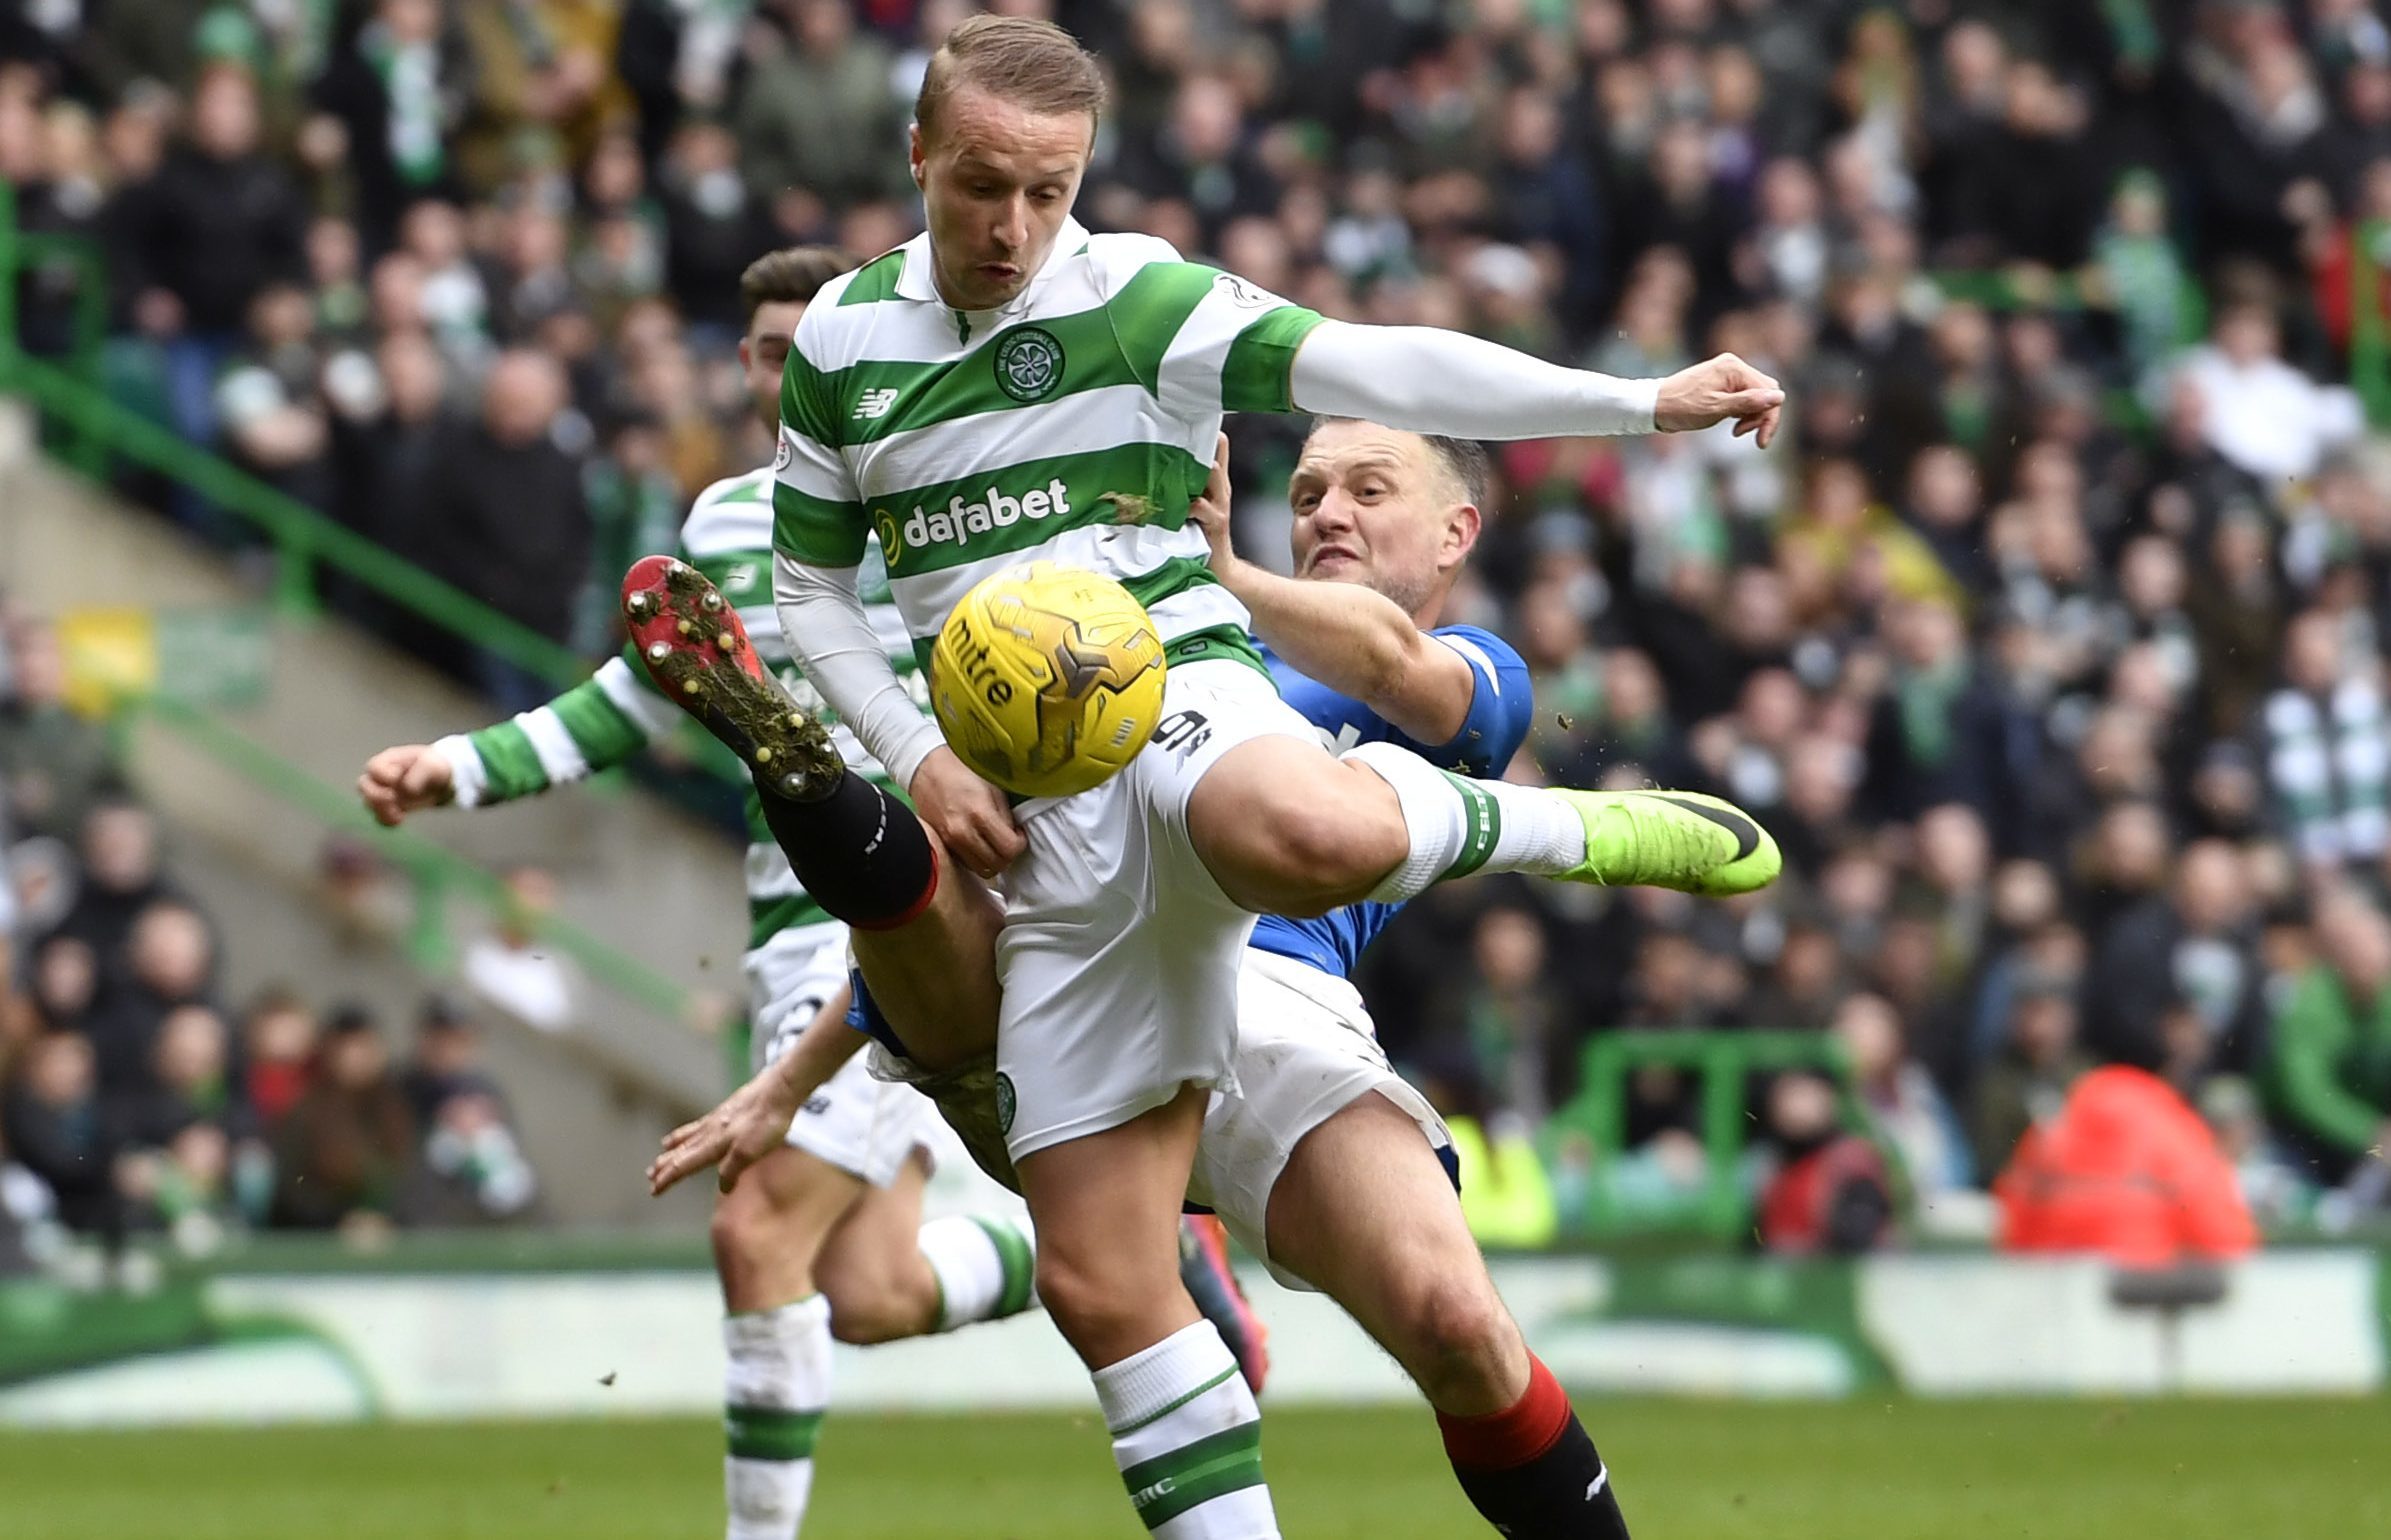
[775, 1389]
[1459, 825]
[986, 1267]
[1188, 1439]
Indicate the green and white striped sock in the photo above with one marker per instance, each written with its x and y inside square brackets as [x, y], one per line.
[1188, 1439]
[775, 1389]
[986, 1267]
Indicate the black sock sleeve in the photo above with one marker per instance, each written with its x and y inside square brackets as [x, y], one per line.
[1562, 1494]
[860, 852]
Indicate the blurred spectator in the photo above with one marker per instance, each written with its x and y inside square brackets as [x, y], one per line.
[57, 1131]
[2328, 746]
[2126, 1169]
[278, 1051]
[446, 1062]
[1900, 1097]
[274, 423]
[2028, 1079]
[511, 970]
[345, 1147]
[819, 113]
[169, 962]
[120, 878]
[2329, 1059]
[55, 765]
[396, 85]
[1830, 1192]
[505, 515]
[2263, 415]
[2192, 948]
[219, 221]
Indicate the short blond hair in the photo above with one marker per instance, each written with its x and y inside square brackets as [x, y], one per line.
[1031, 64]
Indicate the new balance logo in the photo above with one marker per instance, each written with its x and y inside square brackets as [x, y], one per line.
[876, 403]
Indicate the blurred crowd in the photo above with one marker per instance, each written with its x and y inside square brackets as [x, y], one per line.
[135, 1099]
[2050, 640]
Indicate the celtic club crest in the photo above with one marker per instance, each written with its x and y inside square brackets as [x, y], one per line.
[1029, 364]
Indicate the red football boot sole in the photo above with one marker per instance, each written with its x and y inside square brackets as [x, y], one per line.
[690, 641]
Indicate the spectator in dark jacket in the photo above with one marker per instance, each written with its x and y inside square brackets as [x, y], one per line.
[398, 83]
[346, 1146]
[1942, 732]
[2191, 948]
[504, 513]
[57, 1131]
[220, 221]
[120, 879]
[168, 961]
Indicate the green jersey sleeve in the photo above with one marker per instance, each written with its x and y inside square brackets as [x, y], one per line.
[593, 726]
[817, 514]
[1205, 342]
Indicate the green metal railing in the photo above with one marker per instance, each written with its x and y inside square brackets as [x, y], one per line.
[438, 878]
[99, 431]
[1724, 1062]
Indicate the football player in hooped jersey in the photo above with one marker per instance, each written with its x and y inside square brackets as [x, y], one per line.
[1317, 1162]
[1008, 351]
[826, 1238]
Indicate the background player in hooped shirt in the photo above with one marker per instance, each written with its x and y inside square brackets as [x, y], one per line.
[1325, 1163]
[825, 1239]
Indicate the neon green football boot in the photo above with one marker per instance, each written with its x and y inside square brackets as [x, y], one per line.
[1672, 839]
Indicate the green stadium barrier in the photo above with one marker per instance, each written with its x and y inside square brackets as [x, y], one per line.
[1724, 1062]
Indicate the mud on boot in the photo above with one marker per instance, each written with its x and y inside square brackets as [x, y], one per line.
[692, 645]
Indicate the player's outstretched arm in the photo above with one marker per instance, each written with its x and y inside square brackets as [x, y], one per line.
[1430, 381]
[596, 724]
[753, 1121]
[1353, 639]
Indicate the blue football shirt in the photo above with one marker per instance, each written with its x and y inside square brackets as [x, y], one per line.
[1499, 714]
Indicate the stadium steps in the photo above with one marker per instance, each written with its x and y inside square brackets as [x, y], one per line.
[651, 883]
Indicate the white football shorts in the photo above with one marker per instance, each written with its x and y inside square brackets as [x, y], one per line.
[1119, 953]
[1306, 1050]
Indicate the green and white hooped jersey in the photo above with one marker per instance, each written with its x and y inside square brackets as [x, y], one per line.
[1075, 425]
[617, 711]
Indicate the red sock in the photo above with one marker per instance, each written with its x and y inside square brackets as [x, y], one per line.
[1531, 1471]
[1514, 1436]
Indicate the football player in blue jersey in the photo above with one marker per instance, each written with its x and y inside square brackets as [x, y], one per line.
[1325, 1163]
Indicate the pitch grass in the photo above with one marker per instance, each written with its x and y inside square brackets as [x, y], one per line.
[1873, 1470]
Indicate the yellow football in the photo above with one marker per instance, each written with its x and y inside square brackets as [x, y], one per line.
[1047, 679]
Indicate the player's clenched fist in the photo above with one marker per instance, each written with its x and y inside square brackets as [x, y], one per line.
[1720, 389]
[405, 779]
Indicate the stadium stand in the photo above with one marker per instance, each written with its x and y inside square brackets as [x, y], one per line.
[2050, 642]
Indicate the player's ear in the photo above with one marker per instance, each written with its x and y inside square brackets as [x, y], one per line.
[1462, 528]
[913, 152]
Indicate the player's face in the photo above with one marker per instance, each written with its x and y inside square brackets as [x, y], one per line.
[997, 183]
[764, 351]
[1374, 506]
